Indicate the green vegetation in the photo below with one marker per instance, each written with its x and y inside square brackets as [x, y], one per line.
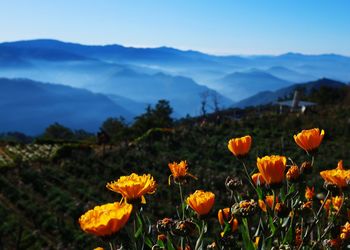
[42, 198]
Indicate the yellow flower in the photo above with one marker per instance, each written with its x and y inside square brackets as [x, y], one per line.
[256, 242]
[309, 193]
[99, 248]
[258, 179]
[310, 139]
[225, 215]
[106, 219]
[345, 231]
[179, 171]
[339, 176]
[272, 168]
[133, 187]
[201, 202]
[240, 146]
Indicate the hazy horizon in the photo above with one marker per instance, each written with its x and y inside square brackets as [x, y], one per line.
[165, 46]
[225, 27]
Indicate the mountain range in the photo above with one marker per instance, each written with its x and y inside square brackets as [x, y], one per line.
[268, 97]
[29, 106]
[127, 79]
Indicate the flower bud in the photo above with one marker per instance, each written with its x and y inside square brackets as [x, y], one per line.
[293, 174]
[244, 208]
[233, 183]
[183, 228]
[306, 167]
[164, 225]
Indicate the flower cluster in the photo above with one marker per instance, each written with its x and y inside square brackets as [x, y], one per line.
[272, 206]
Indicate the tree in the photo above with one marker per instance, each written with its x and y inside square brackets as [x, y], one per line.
[158, 117]
[57, 131]
[204, 99]
[162, 113]
[115, 128]
[216, 101]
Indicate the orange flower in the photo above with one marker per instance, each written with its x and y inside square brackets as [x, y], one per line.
[268, 202]
[336, 203]
[201, 202]
[106, 219]
[293, 173]
[258, 179]
[225, 215]
[307, 205]
[262, 205]
[133, 187]
[309, 140]
[272, 168]
[240, 146]
[309, 193]
[179, 171]
[345, 231]
[339, 176]
[99, 248]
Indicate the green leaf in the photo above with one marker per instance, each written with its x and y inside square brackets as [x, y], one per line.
[247, 243]
[160, 244]
[139, 220]
[272, 226]
[283, 195]
[139, 226]
[260, 193]
[288, 238]
[148, 242]
[169, 245]
[291, 193]
[138, 232]
[227, 228]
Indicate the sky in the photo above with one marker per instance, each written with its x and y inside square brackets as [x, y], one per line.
[243, 27]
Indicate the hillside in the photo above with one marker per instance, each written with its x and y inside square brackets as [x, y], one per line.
[240, 85]
[29, 107]
[267, 97]
[41, 200]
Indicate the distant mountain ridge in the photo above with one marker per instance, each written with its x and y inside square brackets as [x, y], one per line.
[91, 67]
[240, 85]
[130, 78]
[267, 97]
[29, 106]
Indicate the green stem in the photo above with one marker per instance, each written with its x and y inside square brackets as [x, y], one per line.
[111, 245]
[134, 222]
[249, 177]
[309, 229]
[274, 201]
[182, 202]
[199, 243]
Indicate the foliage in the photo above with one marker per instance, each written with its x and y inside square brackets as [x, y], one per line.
[40, 203]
